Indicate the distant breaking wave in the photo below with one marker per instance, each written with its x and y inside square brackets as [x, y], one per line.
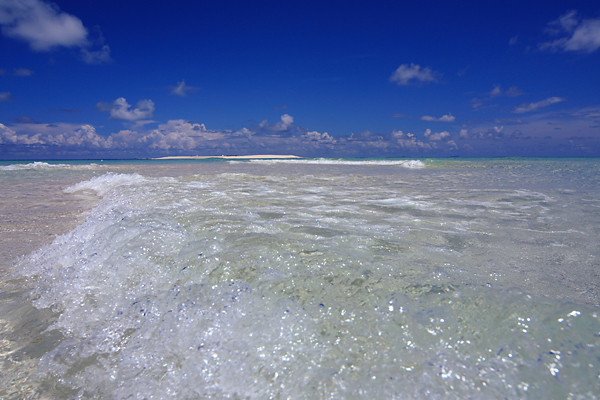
[45, 166]
[331, 161]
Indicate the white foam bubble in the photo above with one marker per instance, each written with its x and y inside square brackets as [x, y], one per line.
[105, 183]
[39, 165]
[331, 161]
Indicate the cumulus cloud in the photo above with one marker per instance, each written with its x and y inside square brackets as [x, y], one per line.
[452, 145]
[120, 109]
[284, 125]
[413, 73]
[44, 26]
[7, 135]
[65, 135]
[182, 89]
[437, 136]
[408, 141]
[527, 107]
[318, 138]
[580, 35]
[443, 118]
[5, 96]
[180, 135]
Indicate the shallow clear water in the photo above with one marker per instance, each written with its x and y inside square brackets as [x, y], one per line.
[321, 279]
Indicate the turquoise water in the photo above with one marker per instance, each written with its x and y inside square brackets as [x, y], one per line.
[304, 279]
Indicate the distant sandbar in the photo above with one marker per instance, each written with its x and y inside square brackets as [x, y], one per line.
[231, 157]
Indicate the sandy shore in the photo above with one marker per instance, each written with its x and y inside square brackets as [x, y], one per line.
[33, 212]
[258, 156]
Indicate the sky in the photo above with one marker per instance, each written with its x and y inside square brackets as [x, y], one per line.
[130, 79]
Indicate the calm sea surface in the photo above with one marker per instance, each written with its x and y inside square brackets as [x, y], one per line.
[300, 279]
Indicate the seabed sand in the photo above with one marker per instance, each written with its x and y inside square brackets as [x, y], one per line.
[33, 212]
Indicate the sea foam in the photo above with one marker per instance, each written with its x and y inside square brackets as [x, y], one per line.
[331, 161]
[250, 286]
[39, 165]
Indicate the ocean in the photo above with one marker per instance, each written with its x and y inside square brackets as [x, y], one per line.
[300, 279]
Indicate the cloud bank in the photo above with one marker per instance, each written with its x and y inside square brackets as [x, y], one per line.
[565, 133]
[184, 137]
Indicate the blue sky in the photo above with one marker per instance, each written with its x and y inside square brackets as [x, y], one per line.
[120, 79]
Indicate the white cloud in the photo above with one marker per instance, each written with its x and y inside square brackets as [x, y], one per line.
[463, 134]
[284, 125]
[41, 24]
[319, 138]
[437, 136]
[578, 35]
[527, 107]
[408, 141]
[180, 135]
[244, 132]
[7, 135]
[443, 118]
[406, 74]
[182, 89]
[44, 26]
[66, 135]
[119, 109]
[5, 96]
